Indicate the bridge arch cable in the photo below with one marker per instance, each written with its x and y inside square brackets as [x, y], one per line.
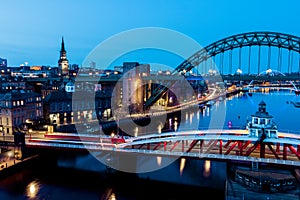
[270, 39]
[250, 39]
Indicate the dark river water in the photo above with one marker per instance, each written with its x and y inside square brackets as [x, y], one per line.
[199, 178]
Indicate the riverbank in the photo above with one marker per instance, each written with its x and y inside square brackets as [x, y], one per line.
[9, 164]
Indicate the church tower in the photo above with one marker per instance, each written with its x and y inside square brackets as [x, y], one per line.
[63, 63]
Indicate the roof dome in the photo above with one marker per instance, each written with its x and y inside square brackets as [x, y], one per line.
[262, 103]
[70, 83]
[70, 87]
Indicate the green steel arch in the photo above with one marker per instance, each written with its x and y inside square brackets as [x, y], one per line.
[275, 39]
[260, 38]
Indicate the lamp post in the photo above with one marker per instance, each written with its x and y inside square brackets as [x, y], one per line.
[239, 71]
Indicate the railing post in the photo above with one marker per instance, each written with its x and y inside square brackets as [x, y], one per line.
[284, 152]
[240, 145]
[220, 149]
[262, 150]
[277, 147]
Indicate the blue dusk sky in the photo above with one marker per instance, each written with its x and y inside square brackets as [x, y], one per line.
[31, 30]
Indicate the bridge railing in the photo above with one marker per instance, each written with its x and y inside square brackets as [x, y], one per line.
[289, 131]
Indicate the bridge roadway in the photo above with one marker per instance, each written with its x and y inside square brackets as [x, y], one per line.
[217, 144]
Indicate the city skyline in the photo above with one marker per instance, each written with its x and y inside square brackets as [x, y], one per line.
[33, 30]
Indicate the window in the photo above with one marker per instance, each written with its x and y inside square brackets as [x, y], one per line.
[7, 121]
[60, 106]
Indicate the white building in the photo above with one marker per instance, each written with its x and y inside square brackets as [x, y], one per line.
[262, 123]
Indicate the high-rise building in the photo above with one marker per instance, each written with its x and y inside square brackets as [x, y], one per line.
[63, 63]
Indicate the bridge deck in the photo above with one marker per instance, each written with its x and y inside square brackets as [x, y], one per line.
[210, 144]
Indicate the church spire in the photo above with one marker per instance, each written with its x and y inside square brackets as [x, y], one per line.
[63, 64]
[62, 44]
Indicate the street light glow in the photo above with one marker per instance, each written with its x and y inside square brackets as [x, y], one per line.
[239, 71]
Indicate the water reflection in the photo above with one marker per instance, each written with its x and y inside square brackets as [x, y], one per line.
[182, 165]
[136, 131]
[207, 168]
[32, 189]
[191, 117]
[175, 126]
[160, 127]
[158, 160]
[109, 195]
[113, 197]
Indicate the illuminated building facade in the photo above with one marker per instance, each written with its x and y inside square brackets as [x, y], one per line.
[63, 63]
[17, 107]
[133, 87]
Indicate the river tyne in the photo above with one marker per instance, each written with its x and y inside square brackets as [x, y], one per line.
[40, 181]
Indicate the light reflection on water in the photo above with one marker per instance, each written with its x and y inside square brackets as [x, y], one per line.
[32, 189]
[109, 195]
[182, 165]
[207, 168]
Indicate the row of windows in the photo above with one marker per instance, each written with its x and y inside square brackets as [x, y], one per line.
[64, 106]
[261, 121]
[20, 110]
[18, 103]
[17, 120]
[6, 121]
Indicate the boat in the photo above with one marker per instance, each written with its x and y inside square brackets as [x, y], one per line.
[297, 91]
[296, 104]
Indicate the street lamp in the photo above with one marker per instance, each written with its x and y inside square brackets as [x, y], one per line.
[269, 71]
